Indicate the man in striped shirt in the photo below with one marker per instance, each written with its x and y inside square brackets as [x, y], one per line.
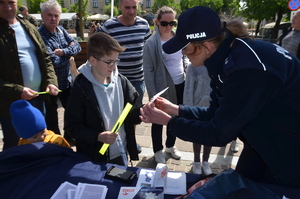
[131, 32]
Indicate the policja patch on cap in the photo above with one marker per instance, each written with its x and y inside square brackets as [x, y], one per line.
[196, 24]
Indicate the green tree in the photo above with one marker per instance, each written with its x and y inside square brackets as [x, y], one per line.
[213, 4]
[268, 9]
[230, 8]
[19, 3]
[160, 3]
[107, 9]
[75, 8]
[34, 6]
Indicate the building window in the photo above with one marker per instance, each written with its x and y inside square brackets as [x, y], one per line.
[75, 1]
[148, 3]
[95, 4]
[106, 2]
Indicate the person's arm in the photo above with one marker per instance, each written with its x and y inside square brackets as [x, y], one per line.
[148, 34]
[104, 27]
[51, 77]
[243, 99]
[77, 113]
[34, 21]
[74, 47]
[131, 96]
[51, 46]
[57, 60]
[75, 117]
[59, 56]
[149, 66]
[73, 68]
[158, 111]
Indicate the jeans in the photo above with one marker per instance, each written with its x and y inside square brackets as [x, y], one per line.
[140, 88]
[10, 136]
[156, 129]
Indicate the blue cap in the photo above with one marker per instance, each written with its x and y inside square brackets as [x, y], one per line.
[196, 24]
[26, 119]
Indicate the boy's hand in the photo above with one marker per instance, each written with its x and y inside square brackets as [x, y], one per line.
[107, 137]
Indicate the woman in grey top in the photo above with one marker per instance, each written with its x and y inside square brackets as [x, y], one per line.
[163, 70]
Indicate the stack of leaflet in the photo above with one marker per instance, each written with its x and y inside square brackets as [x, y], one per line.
[82, 191]
[154, 184]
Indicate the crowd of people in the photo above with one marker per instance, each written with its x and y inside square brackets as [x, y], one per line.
[221, 85]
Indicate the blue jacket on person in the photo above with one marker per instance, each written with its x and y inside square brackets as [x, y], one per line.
[256, 97]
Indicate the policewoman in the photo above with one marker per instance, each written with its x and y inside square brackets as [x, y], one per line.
[255, 97]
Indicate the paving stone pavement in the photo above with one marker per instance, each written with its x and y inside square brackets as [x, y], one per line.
[221, 158]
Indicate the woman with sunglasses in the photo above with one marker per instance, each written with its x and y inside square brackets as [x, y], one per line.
[162, 71]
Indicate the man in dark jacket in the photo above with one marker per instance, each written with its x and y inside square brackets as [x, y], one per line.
[24, 12]
[25, 67]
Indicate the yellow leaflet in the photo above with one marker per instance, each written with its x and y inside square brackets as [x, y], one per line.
[117, 126]
[44, 92]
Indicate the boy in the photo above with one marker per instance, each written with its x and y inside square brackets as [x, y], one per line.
[30, 125]
[98, 97]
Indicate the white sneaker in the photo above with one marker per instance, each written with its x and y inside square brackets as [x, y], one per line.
[196, 168]
[206, 168]
[234, 147]
[175, 154]
[159, 157]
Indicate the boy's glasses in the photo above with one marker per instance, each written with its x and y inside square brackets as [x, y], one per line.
[109, 63]
[165, 23]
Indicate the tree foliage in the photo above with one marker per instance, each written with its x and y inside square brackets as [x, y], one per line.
[107, 10]
[270, 10]
[230, 8]
[34, 6]
[213, 4]
[160, 3]
[222, 7]
[75, 8]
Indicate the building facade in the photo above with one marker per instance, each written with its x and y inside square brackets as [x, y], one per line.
[97, 6]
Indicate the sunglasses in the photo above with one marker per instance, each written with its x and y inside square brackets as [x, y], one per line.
[165, 23]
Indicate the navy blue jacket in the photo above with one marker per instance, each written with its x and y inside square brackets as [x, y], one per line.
[256, 97]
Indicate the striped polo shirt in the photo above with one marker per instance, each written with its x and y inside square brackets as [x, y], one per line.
[133, 39]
